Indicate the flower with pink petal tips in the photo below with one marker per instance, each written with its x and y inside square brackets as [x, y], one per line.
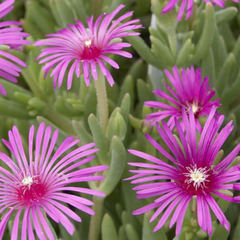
[77, 49]
[188, 91]
[12, 36]
[40, 184]
[187, 6]
[190, 173]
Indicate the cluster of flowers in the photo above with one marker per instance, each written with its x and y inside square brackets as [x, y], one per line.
[39, 184]
[186, 171]
[188, 6]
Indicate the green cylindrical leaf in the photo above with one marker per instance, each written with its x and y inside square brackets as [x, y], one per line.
[228, 35]
[162, 52]
[225, 73]
[219, 51]
[135, 122]
[22, 97]
[237, 230]
[128, 218]
[122, 233]
[226, 14]
[144, 91]
[12, 88]
[185, 53]
[55, 13]
[144, 51]
[127, 87]
[207, 35]
[12, 109]
[232, 92]
[138, 69]
[40, 16]
[236, 49]
[131, 232]
[117, 166]
[37, 104]
[108, 229]
[62, 106]
[126, 105]
[116, 125]
[208, 66]
[30, 27]
[220, 233]
[99, 139]
[81, 132]
[79, 7]
[64, 10]
[61, 134]
[148, 230]
[65, 235]
[90, 102]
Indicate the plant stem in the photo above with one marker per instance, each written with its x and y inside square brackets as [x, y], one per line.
[95, 223]
[102, 108]
[102, 102]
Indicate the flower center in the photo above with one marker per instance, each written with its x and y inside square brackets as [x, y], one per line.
[90, 51]
[196, 179]
[31, 190]
[88, 43]
[194, 108]
[197, 176]
[27, 181]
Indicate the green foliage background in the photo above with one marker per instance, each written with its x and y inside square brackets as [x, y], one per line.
[210, 40]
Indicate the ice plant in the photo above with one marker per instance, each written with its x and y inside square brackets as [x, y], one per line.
[77, 49]
[187, 6]
[11, 35]
[188, 91]
[41, 183]
[189, 174]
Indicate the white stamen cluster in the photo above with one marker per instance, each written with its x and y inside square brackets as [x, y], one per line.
[88, 43]
[194, 108]
[197, 176]
[27, 181]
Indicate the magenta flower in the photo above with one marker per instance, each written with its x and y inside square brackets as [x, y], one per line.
[77, 49]
[12, 36]
[191, 174]
[187, 6]
[188, 91]
[39, 184]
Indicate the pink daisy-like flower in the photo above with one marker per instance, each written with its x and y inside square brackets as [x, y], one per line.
[187, 5]
[12, 36]
[188, 91]
[77, 49]
[191, 175]
[39, 184]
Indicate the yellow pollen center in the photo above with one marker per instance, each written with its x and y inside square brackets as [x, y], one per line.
[88, 43]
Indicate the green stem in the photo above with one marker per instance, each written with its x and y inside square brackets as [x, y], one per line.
[102, 102]
[95, 223]
[102, 108]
